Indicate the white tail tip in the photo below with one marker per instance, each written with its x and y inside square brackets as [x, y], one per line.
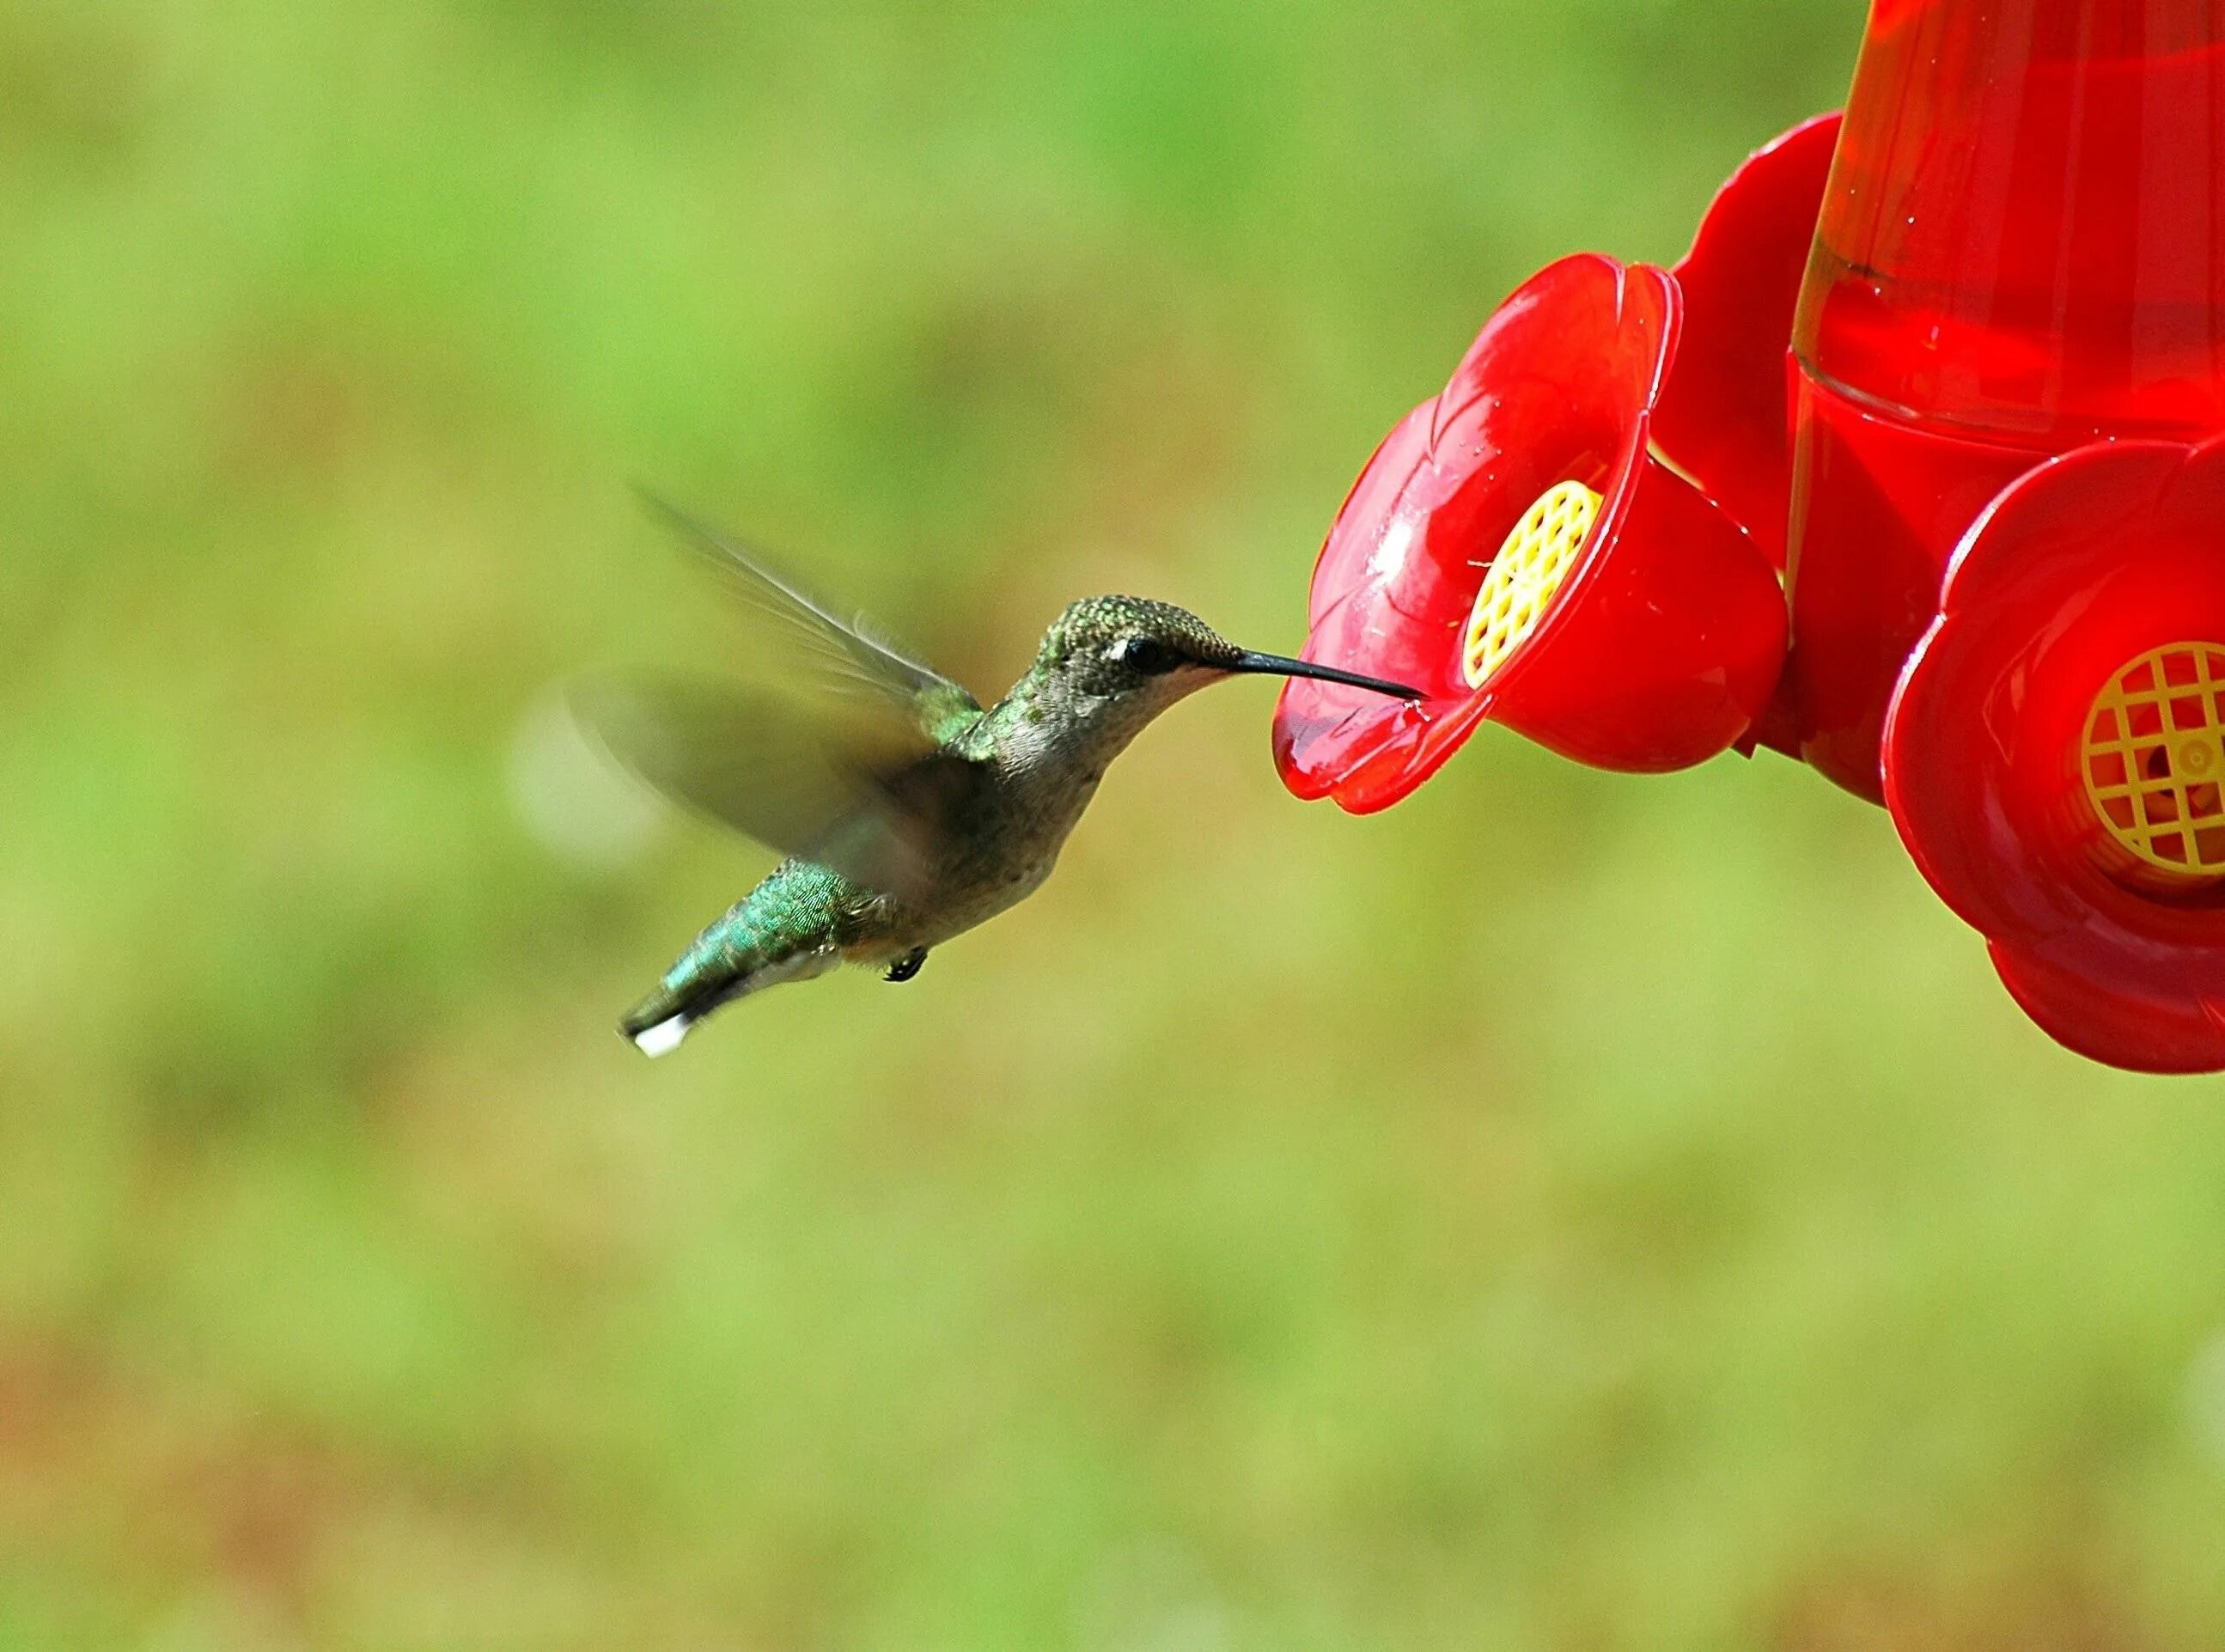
[661, 1039]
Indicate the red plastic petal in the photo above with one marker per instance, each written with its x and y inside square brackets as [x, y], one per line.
[2156, 1019]
[1723, 417]
[2076, 569]
[1663, 645]
[1555, 388]
[1667, 633]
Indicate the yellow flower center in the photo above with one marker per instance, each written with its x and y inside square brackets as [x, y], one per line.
[1524, 575]
[2154, 756]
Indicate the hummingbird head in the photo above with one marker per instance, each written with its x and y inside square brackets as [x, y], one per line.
[1143, 655]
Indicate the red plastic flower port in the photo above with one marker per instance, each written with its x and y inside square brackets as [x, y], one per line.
[2055, 751]
[1515, 550]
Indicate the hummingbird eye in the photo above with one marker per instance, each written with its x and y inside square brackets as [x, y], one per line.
[1147, 656]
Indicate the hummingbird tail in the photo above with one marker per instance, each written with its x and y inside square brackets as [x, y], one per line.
[657, 1037]
[707, 977]
[784, 929]
[727, 960]
[658, 1022]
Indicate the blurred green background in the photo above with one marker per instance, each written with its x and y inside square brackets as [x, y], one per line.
[1565, 1211]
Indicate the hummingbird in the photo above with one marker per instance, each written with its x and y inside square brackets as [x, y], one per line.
[909, 813]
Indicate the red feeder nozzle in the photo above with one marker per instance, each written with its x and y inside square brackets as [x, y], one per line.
[1517, 550]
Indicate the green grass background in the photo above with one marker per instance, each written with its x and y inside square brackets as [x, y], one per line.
[1566, 1212]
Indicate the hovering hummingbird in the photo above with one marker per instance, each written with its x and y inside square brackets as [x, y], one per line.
[909, 813]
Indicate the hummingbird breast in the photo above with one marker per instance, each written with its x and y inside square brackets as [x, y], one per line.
[1003, 857]
[1010, 840]
[1046, 748]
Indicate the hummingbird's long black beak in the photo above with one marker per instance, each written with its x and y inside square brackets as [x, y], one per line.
[1276, 665]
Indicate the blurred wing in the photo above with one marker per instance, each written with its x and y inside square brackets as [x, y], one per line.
[809, 640]
[863, 790]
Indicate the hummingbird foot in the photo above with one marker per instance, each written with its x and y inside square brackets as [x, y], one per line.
[906, 966]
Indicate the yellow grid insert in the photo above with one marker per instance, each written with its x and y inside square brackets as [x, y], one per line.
[1528, 568]
[2154, 756]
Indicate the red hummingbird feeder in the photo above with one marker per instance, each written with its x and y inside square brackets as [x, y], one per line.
[1912, 469]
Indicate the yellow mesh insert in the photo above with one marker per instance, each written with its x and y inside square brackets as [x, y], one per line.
[2154, 756]
[1523, 576]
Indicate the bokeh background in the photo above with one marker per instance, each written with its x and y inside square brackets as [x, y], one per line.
[1565, 1211]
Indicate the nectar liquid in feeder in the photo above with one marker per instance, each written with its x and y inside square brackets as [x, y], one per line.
[1523, 577]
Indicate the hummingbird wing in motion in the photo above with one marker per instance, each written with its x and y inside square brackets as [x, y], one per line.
[832, 751]
[811, 647]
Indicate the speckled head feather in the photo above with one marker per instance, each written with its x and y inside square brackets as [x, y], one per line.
[1113, 642]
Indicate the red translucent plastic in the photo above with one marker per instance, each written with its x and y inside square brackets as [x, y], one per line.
[1666, 635]
[1879, 506]
[2022, 234]
[1722, 419]
[2081, 567]
[1957, 365]
[1661, 647]
[2022, 248]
